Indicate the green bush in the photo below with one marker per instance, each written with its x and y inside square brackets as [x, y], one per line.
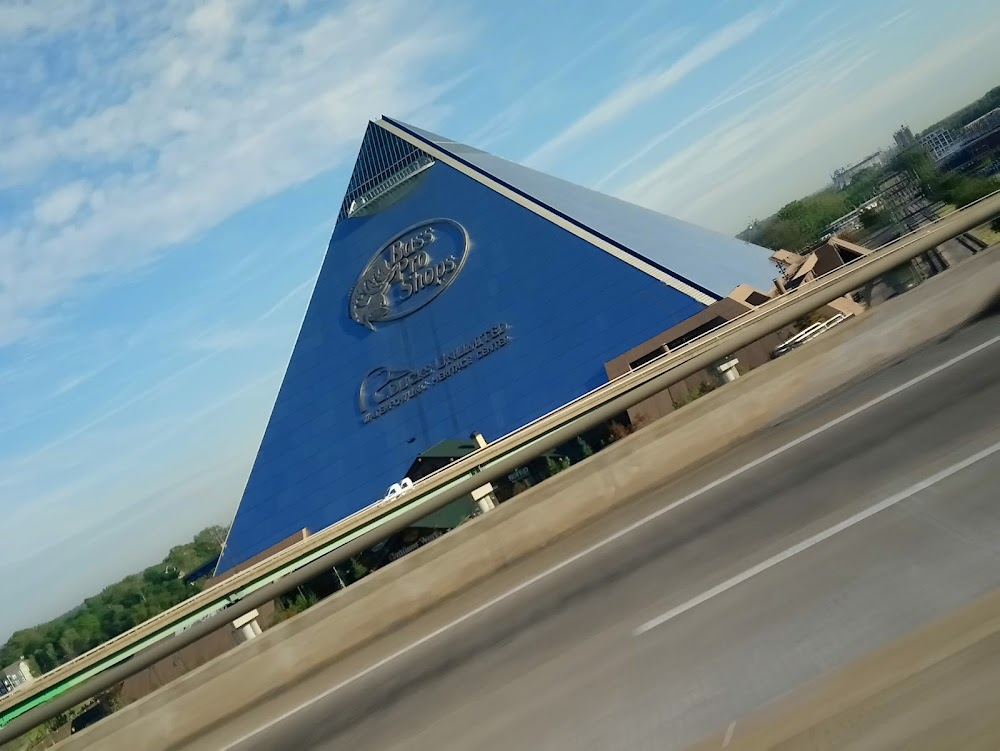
[556, 465]
[800, 223]
[875, 219]
[968, 190]
[287, 607]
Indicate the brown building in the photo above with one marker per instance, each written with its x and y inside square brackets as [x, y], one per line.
[795, 270]
[680, 393]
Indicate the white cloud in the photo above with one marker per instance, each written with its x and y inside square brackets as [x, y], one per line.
[896, 18]
[504, 122]
[644, 89]
[748, 84]
[299, 291]
[62, 204]
[75, 381]
[214, 19]
[815, 120]
[213, 108]
[226, 339]
[18, 17]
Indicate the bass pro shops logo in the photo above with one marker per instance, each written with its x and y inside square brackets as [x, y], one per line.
[409, 271]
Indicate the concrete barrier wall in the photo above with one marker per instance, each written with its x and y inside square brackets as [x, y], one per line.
[178, 714]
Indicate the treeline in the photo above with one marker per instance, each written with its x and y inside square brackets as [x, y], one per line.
[115, 610]
[957, 120]
[798, 224]
[801, 223]
[937, 185]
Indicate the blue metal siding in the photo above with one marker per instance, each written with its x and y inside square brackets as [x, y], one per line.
[571, 308]
[708, 260]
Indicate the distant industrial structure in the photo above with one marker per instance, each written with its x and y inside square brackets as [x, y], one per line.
[982, 126]
[939, 143]
[843, 177]
[977, 148]
[973, 148]
[904, 138]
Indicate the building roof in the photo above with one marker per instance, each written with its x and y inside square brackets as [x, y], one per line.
[747, 295]
[786, 258]
[448, 450]
[808, 265]
[707, 260]
[847, 248]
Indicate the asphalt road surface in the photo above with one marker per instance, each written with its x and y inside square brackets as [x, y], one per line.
[934, 689]
[772, 565]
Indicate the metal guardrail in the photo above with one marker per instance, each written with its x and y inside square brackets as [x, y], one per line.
[176, 628]
[809, 333]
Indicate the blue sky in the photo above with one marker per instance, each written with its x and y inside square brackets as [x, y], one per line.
[170, 173]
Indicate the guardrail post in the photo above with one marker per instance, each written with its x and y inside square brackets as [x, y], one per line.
[246, 627]
[726, 369]
[483, 495]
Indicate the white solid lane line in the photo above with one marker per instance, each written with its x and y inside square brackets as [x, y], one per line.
[624, 531]
[816, 539]
[729, 734]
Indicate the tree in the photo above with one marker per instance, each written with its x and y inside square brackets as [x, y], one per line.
[864, 186]
[111, 699]
[799, 224]
[358, 569]
[47, 658]
[117, 608]
[69, 643]
[286, 607]
[555, 465]
[968, 190]
[875, 219]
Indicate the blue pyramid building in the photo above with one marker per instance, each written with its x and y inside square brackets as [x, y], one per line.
[461, 293]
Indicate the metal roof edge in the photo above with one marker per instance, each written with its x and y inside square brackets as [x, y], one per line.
[562, 220]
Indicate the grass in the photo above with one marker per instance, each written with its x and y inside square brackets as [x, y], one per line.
[25, 742]
[986, 234]
[982, 232]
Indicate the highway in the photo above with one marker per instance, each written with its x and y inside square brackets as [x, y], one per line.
[138, 648]
[829, 536]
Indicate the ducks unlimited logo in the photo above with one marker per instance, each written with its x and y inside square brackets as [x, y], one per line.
[384, 389]
[409, 271]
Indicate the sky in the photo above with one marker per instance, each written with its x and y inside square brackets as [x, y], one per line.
[170, 174]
